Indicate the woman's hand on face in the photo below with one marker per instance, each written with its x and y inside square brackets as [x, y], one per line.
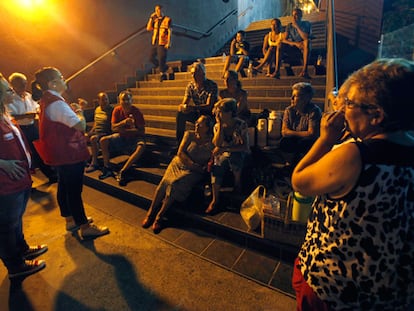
[332, 126]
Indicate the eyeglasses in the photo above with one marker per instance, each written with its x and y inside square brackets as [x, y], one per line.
[350, 104]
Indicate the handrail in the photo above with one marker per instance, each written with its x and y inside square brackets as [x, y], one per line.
[209, 31]
[204, 34]
[123, 42]
[142, 30]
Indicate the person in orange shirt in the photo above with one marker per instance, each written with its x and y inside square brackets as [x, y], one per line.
[160, 25]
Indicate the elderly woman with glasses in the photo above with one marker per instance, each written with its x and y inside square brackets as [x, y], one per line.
[358, 252]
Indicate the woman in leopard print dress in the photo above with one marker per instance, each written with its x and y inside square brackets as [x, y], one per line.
[358, 252]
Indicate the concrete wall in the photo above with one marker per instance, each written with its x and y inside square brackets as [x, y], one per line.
[69, 34]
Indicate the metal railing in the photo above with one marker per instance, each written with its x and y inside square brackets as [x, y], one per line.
[109, 52]
[185, 32]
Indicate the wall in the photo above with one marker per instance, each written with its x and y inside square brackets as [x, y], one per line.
[69, 34]
[358, 29]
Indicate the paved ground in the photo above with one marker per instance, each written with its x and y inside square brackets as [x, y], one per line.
[129, 269]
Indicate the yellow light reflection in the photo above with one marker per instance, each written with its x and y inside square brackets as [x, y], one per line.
[31, 10]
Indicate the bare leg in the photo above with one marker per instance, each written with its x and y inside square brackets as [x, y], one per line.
[306, 52]
[94, 149]
[105, 150]
[156, 201]
[155, 205]
[157, 226]
[226, 64]
[216, 193]
[239, 64]
[276, 73]
[132, 158]
[264, 60]
[166, 203]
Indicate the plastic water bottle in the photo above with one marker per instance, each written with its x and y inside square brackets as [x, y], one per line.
[223, 57]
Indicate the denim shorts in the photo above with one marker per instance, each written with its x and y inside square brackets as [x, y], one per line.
[120, 144]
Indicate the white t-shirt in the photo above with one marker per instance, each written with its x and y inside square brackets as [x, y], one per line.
[60, 111]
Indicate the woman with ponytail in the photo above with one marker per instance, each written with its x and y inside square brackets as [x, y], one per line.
[62, 144]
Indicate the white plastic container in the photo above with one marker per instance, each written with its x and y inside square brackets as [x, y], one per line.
[274, 128]
[261, 133]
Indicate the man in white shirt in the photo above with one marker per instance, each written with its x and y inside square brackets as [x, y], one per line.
[23, 110]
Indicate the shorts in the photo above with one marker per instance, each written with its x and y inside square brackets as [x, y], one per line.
[120, 144]
[235, 59]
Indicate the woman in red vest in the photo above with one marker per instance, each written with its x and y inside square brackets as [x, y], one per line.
[15, 181]
[62, 144]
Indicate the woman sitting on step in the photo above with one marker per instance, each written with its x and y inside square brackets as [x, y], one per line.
[234, 90]
[185, 171]
[271, 47]
[231, 141]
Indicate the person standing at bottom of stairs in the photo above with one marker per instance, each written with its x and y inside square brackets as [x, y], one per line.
[160, 25]
[62, 144]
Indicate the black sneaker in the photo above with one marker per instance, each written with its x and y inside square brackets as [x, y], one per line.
[34, 251]
[29, 267]
[106, 172]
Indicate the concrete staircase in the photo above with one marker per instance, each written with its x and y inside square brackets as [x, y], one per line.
[158, 101]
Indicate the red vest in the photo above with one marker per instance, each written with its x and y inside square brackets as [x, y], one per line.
[11, 149]
[58, 144]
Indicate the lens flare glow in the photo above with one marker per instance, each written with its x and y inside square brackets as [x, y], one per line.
[31, 10]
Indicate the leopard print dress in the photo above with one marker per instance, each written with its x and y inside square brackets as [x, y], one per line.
[358, 252]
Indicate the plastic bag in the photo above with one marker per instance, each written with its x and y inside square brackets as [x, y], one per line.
[251, 209]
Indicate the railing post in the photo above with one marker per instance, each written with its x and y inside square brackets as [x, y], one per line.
[331, 61]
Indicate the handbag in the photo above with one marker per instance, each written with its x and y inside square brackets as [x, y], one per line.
[251, 209]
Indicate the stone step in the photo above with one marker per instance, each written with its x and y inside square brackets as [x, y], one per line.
[227, 222]
[257, 91]
[183, 78]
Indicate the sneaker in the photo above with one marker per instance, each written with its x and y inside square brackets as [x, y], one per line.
[106, 172]
[34, 251]
[72, 226]
[29, 267]
[91, 168]
[93, 231]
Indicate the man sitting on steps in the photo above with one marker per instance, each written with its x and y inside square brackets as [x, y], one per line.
[297, 35]
[129, 127]
[199, 98]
